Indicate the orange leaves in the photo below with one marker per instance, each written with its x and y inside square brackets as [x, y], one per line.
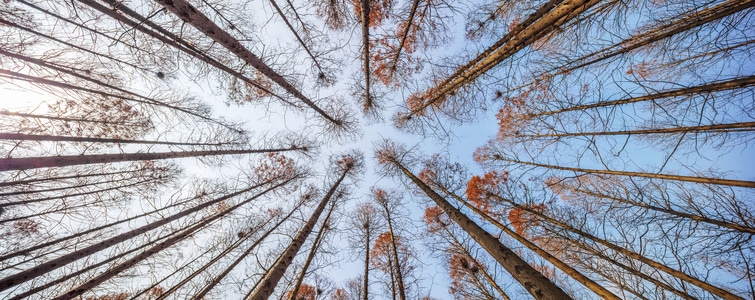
[379, 11]
[388, 152]
[479, 187]
[339, 294]
[461, 265]
[434, 219]
[306, 292]
[380, 254]
[641, 70]
[522, 220]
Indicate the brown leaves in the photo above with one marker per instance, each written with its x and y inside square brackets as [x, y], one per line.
[434, 218]
[306, 292]
[522, 220]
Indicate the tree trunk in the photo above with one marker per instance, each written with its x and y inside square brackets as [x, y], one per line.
[394, 249]
[564, 267]
[715, 128]
[366, 284]
[532, 280]
[57, 138]
[191, 15]
[275, 273]
[26, 163]
[729, 182]
[46, 267]
[311, 255]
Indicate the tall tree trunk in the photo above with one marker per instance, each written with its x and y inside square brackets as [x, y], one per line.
[26, 163]
[532, 280]
[564, 267]
[660, 266]
[719, 181]
[311, 255]
[715, 128]
[46, 267]
[191, 15]
[275, 273]
[394, 250]
[366, 284]
[736, 83]
[58, 138]
[215, 281]
[296, 34]
[368, 101]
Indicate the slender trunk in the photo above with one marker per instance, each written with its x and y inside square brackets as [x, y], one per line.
[93, 230]
[541, 23]
[64, 119]
[49, 266]
[191, 15]
[736, 83]
[368, 101]
[215, 259]
[77, 176]
[715, 128]
[25, 202]
[296, 34]
[311, 255]
[71, 160]
[366, 284]
[57, 138]
[169, 38]
[532, 280]
[484, 272]
[698, 218]
[215, 281]
[404, 34]
[393, 279]
[275, 273]
[394, 248]
[662, 267]
[564, 267]
[729, 182]
[84, 270]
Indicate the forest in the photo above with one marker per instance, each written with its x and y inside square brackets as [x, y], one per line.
[377, 149]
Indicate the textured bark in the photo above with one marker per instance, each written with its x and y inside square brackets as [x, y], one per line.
[404, 34]
[26, 163]
[219, 277]
[736, 83]
[46, 267]
[394, 249]
[660, 266]
[191, 15]
[564, 267]
[57, 138]
[296, 34]
[715, 128]
[532, 280]
[368, 101]
[718, 181]
[268, 283]
[366, 284]
[311, 256]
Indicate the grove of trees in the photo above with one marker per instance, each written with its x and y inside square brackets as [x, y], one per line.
[377, 149]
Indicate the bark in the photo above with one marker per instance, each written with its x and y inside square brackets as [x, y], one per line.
[46, 267]
[404, 34]
[246, 253]
[532, 280]
[736, 83]
[268, 283]
[543, 22]
[26, 163]
[366, 284]
[718, 181]
[296, 34]
[77, 176]
[394, 249]
[564, 267]
[25, 202]
[93, 230]
[368, 101]
[311, 256]
[662, 267]
[191, 15]
[57, 138]
[715, 128]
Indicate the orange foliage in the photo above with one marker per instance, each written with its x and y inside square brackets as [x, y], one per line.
[522, 220]
[641, 70]
[379, 11]
[478, 189]
[381, 252]
[433, 219]
[306, 292]
[156, 291]
[117, 296]
[339, 294]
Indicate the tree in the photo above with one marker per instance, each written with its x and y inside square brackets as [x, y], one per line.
[531, 279]
[366, 224]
